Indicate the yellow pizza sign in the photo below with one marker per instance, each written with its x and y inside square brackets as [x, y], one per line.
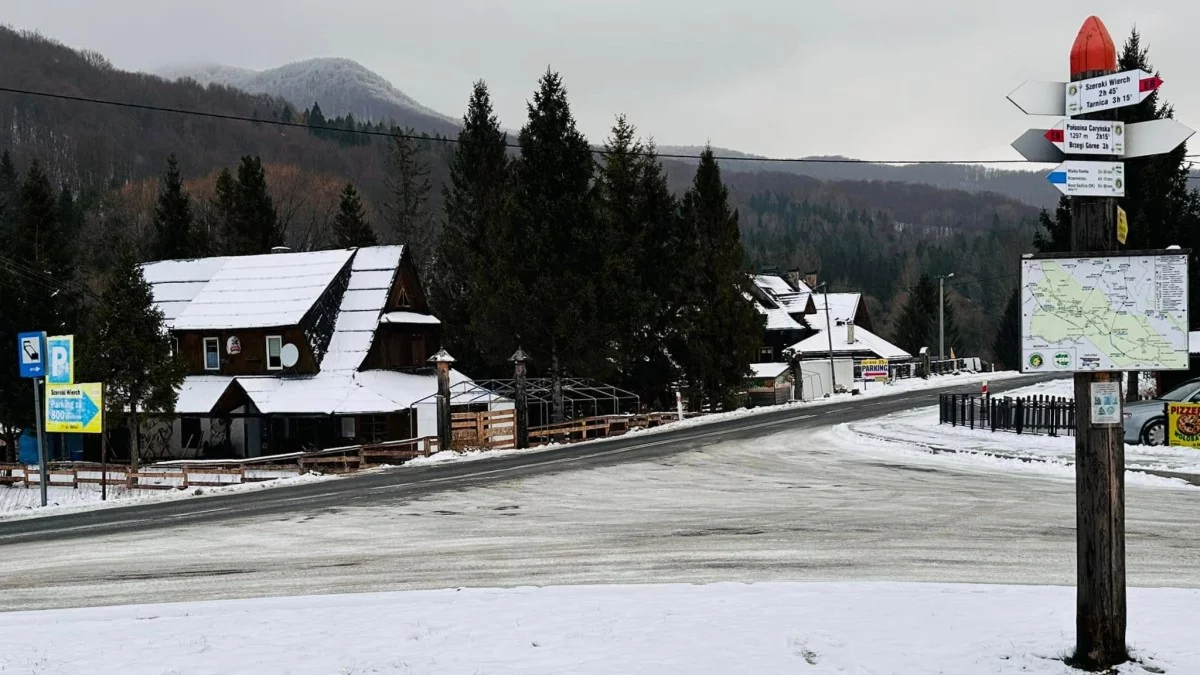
[1183, 424]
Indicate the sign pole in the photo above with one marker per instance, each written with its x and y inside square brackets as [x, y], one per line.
[1100, 612]
[104, 447]
[43, 477]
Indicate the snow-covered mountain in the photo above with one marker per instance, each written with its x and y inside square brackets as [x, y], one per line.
[340, 85]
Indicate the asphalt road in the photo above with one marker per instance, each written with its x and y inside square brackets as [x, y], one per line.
[792, 495]
[373, 488]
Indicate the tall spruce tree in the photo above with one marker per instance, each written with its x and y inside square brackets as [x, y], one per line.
[249, 222]
[173, 236]
[41, 290]
[350, 226]
[1006, 349]
[555, 240]
[724, 330]
[14, 392]
[470, 287]
[406, 207]
[917, 325]
[664, 267]
[133, 354]
[626, 302]
[950, 333]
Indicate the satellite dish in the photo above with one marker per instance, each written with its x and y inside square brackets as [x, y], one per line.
[289, 355]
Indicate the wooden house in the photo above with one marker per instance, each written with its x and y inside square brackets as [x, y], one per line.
[286, 351]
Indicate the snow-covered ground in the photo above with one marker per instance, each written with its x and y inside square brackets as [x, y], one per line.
[864, 628]
[26, 502]
[919, 428]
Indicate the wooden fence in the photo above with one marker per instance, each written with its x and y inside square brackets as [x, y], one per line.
[604, 426]
[1048, 415]
[493, 430]
[183, 474]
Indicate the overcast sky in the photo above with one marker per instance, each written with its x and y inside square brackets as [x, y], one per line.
[887, 79]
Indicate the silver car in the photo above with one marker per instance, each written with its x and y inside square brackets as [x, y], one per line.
[1145, 422]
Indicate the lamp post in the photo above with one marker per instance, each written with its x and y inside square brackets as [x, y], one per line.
[829, 335]
[942, 315]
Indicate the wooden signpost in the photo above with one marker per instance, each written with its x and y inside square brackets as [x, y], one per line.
[1091, 174]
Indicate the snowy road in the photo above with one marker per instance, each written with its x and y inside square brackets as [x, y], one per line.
[815, 503]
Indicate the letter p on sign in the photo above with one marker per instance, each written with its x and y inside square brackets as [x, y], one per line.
[61, 350]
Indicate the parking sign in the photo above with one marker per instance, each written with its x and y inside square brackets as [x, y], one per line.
[60, 364]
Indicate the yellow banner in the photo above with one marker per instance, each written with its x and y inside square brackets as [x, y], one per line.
[874, 369]
[1122, 225]
[1183, 424]
[74, 408]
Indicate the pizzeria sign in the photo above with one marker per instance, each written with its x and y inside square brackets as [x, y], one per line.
[1183, 424]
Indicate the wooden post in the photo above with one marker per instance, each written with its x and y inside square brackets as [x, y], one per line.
[103, 443]
[443, 361]
[522, 399]
[1100, 612]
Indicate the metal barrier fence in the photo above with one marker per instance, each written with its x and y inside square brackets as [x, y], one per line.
[1046, 415]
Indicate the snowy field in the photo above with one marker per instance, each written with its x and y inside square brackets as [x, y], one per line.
[919, 428]
[863, 628]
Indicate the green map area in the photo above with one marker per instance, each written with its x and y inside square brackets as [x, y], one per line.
[1066, 312]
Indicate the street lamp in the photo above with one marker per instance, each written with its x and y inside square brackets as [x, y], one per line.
[829, 335]
[942, 315]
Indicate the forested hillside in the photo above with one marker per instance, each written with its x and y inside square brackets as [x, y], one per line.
[872, 236]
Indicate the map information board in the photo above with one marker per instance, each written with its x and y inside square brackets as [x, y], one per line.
[1105, 313]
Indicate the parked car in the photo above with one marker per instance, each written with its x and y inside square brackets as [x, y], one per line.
[1145, 423]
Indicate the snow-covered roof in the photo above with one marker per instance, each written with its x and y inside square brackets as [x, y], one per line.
[199, 393]
[174, 283]
[771, 370]
[773, 283]
[371, 274]
[254, 291]
[864, 341]
[781, 292]
[367, 392]
[777, 317]
[842, 306]
[409, 317]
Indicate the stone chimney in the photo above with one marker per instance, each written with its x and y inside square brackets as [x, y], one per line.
[850, 332]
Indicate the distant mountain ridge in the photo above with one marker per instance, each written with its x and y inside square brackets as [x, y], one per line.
[341, 86]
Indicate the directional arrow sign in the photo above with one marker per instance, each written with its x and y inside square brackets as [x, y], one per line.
[74, 408]
[1089, 179]
[1040, 98]
[1110, 91]
[1142, 139]
[1154, 137]
[1081, 137]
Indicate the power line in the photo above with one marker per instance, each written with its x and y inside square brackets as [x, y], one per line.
[443, 139]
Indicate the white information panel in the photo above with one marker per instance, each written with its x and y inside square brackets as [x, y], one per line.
[1118, 313]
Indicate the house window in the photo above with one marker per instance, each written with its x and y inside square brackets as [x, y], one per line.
[403, 300]
[766, 354]
[212, 354]
[274, 347]
[174, 346]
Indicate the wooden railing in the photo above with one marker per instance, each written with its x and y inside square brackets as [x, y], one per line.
[182, 474]
[604, 426]
[496, 429]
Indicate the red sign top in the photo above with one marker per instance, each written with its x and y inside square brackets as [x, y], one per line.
[1150, 84]
[1094, 49]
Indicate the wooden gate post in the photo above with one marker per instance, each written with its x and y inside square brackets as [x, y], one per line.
[443, 361]
[1100, 612]
[522, 399]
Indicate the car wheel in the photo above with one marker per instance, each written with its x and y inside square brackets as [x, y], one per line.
[1155, 432]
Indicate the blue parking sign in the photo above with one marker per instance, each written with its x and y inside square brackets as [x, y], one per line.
[31, 354]
[60, 364]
